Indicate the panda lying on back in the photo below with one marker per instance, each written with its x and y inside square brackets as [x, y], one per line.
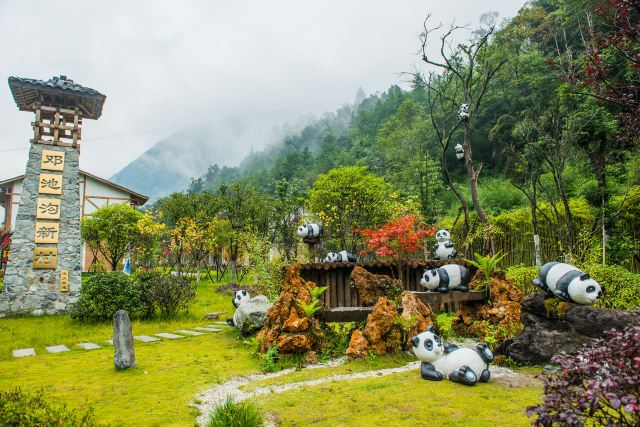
[568, 283]
[461, 365]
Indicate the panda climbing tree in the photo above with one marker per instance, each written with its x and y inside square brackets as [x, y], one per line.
[465, 72]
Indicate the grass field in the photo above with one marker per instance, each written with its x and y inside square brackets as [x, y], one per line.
[171, 373]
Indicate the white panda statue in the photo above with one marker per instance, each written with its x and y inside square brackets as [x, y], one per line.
[459, 149]
[463, 112]
[445, 278]
[310, 230]
[461, 365]
[342, 256]
[240, 297]
[443, 248]
[568, 283]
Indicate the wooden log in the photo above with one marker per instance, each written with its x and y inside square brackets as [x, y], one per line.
[346, 314]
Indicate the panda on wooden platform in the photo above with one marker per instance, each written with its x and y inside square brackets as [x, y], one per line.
[310, 230]
[443, 248]
[568, 283]
[446, 278]
[461, 365]
[342, 256]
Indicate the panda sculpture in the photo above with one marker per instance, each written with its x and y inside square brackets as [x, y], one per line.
[446, 278]
[568, 283]
[461, 365]
[459, 149]
[342, 256]
[240, 297]
[310, 230]
[463, 113]
[443, 248]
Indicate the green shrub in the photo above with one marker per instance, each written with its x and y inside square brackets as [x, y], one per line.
[522, 277]
[444, 323]
[34, 410]
[232, 414]
[621, 287]
[167, 293]
[105, 293]
[335, 340]
[269, 359]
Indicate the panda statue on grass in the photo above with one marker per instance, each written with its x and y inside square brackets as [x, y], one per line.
[446, 278]
[342, 256]
[568, 283]
[443, 248]
[461, 365]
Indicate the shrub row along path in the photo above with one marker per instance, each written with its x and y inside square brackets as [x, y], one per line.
[197, 331]
[208, 400]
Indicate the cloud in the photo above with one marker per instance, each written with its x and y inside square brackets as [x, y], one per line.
[166, 64]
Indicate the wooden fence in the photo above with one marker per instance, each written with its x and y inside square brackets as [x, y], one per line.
[341, 299]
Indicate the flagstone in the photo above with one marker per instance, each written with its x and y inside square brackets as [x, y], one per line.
[188, 332]
[168, 336]
[88, 346]
[57, 348]
[209, 329]
[146, 338]
[24, 352]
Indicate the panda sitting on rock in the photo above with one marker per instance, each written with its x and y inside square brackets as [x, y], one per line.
[461, 365]
[568, 283]
[238, 298]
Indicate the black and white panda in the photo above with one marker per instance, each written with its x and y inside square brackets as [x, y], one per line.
[459, 149]
[443, 248]
[463, 112]
[461, 365]
[240, 297]
[568, 283]
[342, 256]
[310, 230]
[446, 278]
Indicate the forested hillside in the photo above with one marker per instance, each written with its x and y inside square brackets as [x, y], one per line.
[549, 146]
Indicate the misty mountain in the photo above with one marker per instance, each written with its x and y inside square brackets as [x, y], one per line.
[169, 165]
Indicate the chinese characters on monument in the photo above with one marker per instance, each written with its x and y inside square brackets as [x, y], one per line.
[48, 209]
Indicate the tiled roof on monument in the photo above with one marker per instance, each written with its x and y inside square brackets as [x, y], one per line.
[60, 91]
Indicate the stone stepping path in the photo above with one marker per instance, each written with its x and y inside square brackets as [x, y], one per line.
[196, 331]
[57, 348]
[146, 338]
[188, 332]
[88, 346]
[208, 329]
[169, 336]
[24, 352]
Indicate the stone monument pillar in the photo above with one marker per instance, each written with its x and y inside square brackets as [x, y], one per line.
[43, 273]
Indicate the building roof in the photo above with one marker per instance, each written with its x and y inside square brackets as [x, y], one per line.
[140, 199]
[56, 92]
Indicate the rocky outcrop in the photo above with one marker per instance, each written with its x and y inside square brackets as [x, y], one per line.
[388, 332]
[502, 315]
[373, 286]
[552, 326]
[249, 316]
[286, 325]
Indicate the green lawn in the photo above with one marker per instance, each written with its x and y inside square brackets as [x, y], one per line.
[171, 373]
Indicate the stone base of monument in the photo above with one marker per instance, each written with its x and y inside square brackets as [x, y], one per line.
[552, 326]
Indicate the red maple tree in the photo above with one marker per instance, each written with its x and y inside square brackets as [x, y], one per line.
[401, 240]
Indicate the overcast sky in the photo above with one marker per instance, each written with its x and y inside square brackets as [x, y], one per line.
[167, 65]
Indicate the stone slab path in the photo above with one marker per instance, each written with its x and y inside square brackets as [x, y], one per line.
[188, 332]
[146, 338]
[169, 336]
[88, 345]
[24, 352]
[57, 348]
[195, 332]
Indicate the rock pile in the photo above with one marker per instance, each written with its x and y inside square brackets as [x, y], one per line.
[388, 332]
[552, 326]
[373, 286]
[286, 325]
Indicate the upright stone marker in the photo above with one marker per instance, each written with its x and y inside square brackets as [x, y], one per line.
[44, 269]
[124, 356]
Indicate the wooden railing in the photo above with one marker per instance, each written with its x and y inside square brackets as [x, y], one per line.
[341, 299]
